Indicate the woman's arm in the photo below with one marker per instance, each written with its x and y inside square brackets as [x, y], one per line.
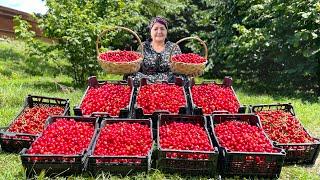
[140, 50]
[176, 50]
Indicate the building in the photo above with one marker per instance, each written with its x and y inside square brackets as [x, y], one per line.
[6, 22]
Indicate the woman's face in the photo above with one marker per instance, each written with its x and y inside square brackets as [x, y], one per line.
[158, 32]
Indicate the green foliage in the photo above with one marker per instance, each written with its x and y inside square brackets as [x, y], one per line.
[16, 87]
[76, 24]
[274, 43]
[264, 43]
[260, 42]
[41, 57]
[208, 20]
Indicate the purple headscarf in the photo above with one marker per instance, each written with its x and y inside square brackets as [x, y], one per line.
[160, 20]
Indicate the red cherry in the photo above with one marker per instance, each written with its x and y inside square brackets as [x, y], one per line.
[283, 127]
[124, 139]
[120, 56]
[154, 97]
[189, 58]
[32, 120]
[184, 136]
[66, 137]
[213, 97]
[110, 98]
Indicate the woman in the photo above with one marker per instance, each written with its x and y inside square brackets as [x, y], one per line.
[156, 51]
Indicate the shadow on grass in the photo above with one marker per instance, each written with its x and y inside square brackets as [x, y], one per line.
[10, 54]
[53, 86]
[39, 66]
[11, 61]
[280, 92]
[36, 66]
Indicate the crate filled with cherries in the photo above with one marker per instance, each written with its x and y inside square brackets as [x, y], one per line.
[160, 97]
[284, 128]
[184, 145]
[122, 146]
[61, 147]
[109, 97]
[30, 121]
[245, 150]
[210, 97]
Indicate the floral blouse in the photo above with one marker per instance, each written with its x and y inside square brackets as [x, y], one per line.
[155, 66]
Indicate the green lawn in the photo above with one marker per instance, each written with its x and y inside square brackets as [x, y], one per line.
[17, 82]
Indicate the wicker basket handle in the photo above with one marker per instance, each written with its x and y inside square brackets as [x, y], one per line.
[187, 38]
[113, 28]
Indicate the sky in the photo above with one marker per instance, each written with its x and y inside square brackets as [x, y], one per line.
[29, 6]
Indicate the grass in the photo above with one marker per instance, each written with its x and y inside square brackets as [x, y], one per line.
[17, 82]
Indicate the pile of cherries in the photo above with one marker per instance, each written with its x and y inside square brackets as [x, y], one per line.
[124, 139]
[185, 136]
[32, 120]
[189, 58]
[63, 137]
[214, 97]
[243, 137]
[159, 96]
[110, 98]
[283, 127]
[120, 56]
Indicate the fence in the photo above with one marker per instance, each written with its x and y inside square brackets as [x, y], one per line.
[7, 24]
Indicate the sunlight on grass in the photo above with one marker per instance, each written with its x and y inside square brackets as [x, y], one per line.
[10, 166]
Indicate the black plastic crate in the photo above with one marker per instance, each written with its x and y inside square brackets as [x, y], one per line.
[97, 164]
[187, 166]
[297, 153]
[286, 107]
[227, 82]
[138, 111]
[94, 83]
[245, 164]
[14, 141]
[57, 164]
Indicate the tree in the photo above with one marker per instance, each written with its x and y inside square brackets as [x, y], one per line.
[76, 24]
[277, 43]
[264, 43]
[260, 42]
